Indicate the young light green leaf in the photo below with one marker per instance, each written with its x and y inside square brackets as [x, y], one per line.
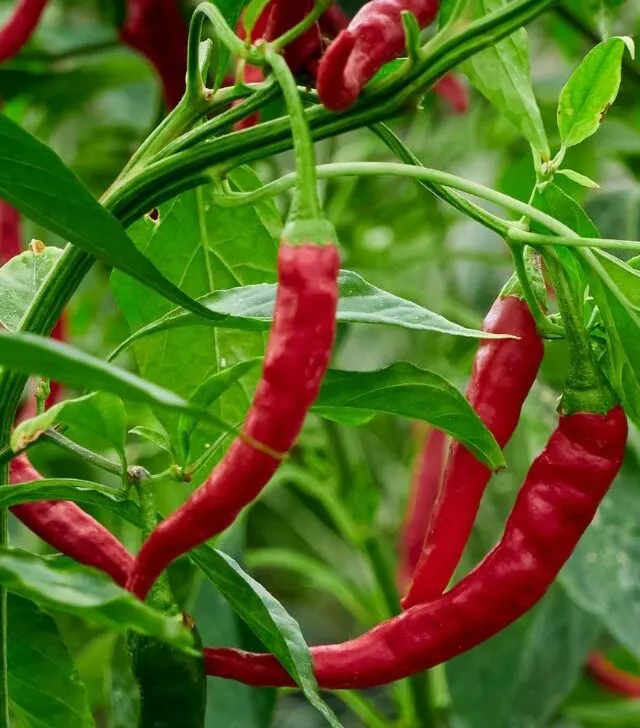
[88, 594]
[502, 73]
[407, 391]
[20, 280]
[159, 439]
[590, 92]
[44, 686]
[37, 355]
[251, 308]
[36, 182]
[267, 618]
[579, 179]
[99, 414]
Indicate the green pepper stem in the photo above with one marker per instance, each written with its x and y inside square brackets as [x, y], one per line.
[302, 27]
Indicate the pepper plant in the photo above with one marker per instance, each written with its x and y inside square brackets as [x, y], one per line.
[270, 455]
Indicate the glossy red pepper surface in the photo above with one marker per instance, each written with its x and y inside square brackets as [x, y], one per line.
[20, 27]
[374, 37]
[297, 357]
[69, 529]
[504, 371]
[555, 505]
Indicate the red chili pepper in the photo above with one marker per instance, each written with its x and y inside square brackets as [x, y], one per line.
[451, 89]
[156, 29]
[425, 485]
[69, 529]
[503, 373]
[297, 357]
[615, 680]
[10, 237]
[374, 37]
[20, 27]
[555, 505]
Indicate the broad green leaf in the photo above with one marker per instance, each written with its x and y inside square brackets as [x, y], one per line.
[44, 686]
[20, 280]
[206, 395]
[37, 355]
[614, 286]
[556, 202]
[268, 619]
[407, 391]
[590, 91]
[502, 73]
[36, 182]
[88, 594]
[603, 575]
[79, 491]
[251, 308]
[521, 676]
[98, 414]
[203, 248]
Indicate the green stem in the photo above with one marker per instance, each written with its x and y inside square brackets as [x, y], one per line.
[221, 29]
[522, 236]
[302, 27]
[93, 458]
[307, 202]
[363, 709]
[586, 389]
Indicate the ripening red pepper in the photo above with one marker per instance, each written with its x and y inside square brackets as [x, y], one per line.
[297, 357]
[156, 29]
[20, 27]
[615, 680]
[69, 529]
[374, 37]
[452, 90]
[10, 237]
[504, 371]
[555, 505]
[425, 485]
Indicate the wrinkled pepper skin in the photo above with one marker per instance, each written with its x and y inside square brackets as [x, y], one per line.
[425, 485]
[374, 37]
[557, 502]
[20, 27]
[612, 678]
[70, 530]
[297, 357]
[172, 685]
[504, 371]
[156, 29]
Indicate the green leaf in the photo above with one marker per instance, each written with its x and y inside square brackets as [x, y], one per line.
[98, 414]
[37, 355]
[206, 395]
[603, 575]
[79, 491]
[590, 92]
[204, 248]
[268, 619]
[251, 308]
[407, 391]
[36, 182]
[44, 686]
[20, 280]
[579, 179]
[502, 73]
[252, 13]
[88, 594]
[157, 438]
[521, 676]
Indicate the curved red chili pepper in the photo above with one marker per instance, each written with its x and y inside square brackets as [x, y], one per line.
[425, 485]
[504, 371]
[451, 89]
[555, 505]
[615, 680]
[69, 529]
[20, 27]
[156, 29]
[374, 37]
[10, 237]
[297, 357]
